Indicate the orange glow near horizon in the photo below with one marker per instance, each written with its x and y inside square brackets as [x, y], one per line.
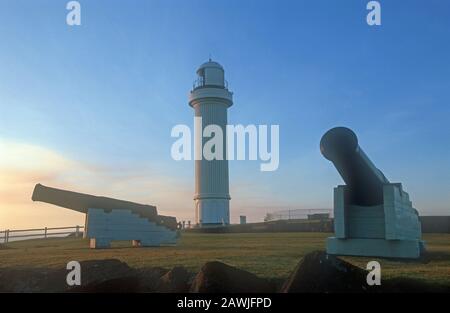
[23, 165]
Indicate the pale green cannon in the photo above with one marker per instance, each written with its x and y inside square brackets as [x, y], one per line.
[372, 217]
[110, 219]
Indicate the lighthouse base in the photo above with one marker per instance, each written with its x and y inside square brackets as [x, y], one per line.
[212, 212]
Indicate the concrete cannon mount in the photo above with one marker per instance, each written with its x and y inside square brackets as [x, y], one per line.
[110, 219]
[372, 217]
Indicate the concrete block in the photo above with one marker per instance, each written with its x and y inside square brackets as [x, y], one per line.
[375, 247]
[104, 227]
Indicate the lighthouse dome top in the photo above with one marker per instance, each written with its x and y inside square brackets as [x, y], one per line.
[210, 84]
[210, 74]
[209, 64]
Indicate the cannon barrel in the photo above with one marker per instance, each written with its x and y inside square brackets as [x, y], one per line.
[364, 181]
[82, 202]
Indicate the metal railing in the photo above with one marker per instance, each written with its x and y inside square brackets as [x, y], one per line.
[36, 233]
[200, 82]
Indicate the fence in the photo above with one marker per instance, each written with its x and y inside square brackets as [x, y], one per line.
[23, 234]
[298, 214]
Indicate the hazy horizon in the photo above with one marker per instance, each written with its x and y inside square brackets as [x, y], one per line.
[90, 108]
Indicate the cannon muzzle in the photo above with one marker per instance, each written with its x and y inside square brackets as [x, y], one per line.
[363, 179]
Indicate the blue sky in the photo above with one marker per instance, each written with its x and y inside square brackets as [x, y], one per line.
[106, 94]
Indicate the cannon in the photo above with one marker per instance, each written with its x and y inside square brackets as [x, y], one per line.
[364, 181]
[372, 217]
[109, 219]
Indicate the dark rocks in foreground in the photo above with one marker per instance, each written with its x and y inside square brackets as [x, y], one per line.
[175, 280]
[316, 272]
[319, 272]
[110, 275]
[98, 271]
[217, 277]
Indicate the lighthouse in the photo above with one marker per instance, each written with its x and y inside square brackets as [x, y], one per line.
[210, 99]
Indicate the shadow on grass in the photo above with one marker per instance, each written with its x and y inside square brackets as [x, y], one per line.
[435, 256]
[409, 285]
[425, 258]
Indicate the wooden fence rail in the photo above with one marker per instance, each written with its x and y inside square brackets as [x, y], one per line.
[45, 232]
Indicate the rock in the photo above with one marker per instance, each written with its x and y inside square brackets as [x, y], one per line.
[110, 275]
[217, 277]
[22, 279]
[114, 276]
[93, 272]
[175, 280]
[319, 272]
[149, 277]
[97, 271]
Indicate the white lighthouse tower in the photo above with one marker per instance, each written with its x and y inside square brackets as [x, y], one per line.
[210, 99]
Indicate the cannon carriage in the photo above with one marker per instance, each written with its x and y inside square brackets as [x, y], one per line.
[109, 219]
[372, 216]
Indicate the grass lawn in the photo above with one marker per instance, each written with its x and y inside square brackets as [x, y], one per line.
[269, 255]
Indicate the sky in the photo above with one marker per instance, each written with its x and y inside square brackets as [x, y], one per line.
[90, 108]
